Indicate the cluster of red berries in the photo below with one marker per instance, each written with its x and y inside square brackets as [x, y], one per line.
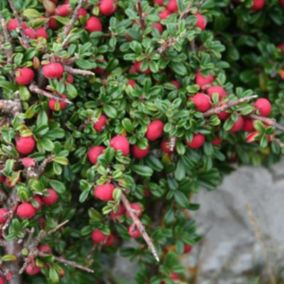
[170, 7]
[203, 102]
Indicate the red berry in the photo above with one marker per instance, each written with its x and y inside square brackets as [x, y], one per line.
[140, 153]
[94, 152]
[196, 142]
[175, 276]
[38, 202]
[159, 27]
[98, 236]
[216, 141]
[30, 33]
[82, 12]
[41, 32]
[172, 6]
[25, 145]
[137, 209]
[57, 105]
[133, 232]
[45, 248]
[201, 101]
[70, 78]
[131, 82]
[3, 215]
[25, 211]
[248, 125]
[263, 106]
[28, 162]
[63, 10]
[104, 192]
[137, 68]
[12, 24]
[100, 124]
[2, 280]
[155, 130]
[53, 70]
[117, 214]
[223, 115]
[187, 248]
[93, 24]
[238, 125]
[32, 269]
[51, 197]
[9, 276]
[164, 14]
[120, 143]
[111, 240]
[281, 2]
[217, 90]
[165, 147]
[200, 21]
[281, 45]
[52, 23]
[258, 5]
[203, 81]
[24, 76]
[107, 7]
[176, 83]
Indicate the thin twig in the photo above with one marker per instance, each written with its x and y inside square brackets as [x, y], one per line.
[35, 89]
[269, 121]
[24, 41]
[67, 262]
[32, 244]
[140, 226]
[76, 71]
[186, 11]
[8, 50]
[140, 13]
[71, 23]
[228, 105]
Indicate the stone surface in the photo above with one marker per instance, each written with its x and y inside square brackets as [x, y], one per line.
[242, 223]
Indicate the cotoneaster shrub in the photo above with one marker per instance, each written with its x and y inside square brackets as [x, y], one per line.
[114, 113]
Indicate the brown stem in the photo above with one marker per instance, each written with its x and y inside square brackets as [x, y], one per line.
[13, 248]
[67, 262]
[140, 226]
[9, 106]
[228, 105]
[140, 13]
[71, 23]
[75, 71]
[35, 89]
[269, 121]
[24, 41]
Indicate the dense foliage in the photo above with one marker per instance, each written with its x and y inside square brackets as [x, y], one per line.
[113, 114]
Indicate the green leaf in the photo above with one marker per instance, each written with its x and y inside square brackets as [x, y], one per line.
[181, 199]
[9, 257]
[142, 170]
[71, 91]
[53, 275]
[127, 124]
[180, 171]
[61, 160]
[57, 185]
[110, 111]
[31, 13]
